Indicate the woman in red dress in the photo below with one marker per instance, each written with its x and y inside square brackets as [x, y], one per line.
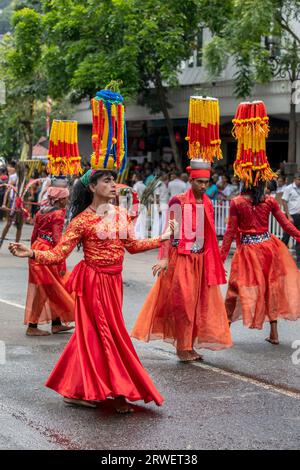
[99, 362]
[47, 298]
[264, 282]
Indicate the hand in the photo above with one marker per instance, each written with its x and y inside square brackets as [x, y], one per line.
[290, 218]
[173, 227]
[162, 265]
[19, 250]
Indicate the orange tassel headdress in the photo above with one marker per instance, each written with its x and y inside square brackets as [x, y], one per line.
[251, 128]
[203, 129]
[63, 152]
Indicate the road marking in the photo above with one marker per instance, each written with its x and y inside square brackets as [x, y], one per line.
[241, 377]
[7, 302]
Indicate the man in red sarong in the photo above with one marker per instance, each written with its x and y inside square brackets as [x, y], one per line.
[185, 306]
[47, 297]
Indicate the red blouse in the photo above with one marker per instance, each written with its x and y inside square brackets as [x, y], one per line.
[246, 218]
[104, 240]
[49, 224]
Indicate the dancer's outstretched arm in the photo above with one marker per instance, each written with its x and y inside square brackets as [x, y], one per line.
[231, 231]
[70, 239]
[137, 246]
[284, 222]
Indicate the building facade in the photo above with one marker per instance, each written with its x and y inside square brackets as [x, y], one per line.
[147, 133]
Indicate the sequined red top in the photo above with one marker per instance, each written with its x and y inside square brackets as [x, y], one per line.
[245, 218]
[104, 240]
[49, 224]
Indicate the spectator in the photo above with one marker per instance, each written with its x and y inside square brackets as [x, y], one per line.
[176, 185]
[186, 179]
[226, 188]
[212, 190]
[138, 186]
[3, 180]
[291, 206]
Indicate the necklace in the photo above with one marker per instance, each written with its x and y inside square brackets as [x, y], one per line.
[92, 209]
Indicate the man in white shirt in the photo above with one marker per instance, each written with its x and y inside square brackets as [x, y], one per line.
[139, 187]
[9, 203]
[291, 206]
[160, 207]
[176, 186]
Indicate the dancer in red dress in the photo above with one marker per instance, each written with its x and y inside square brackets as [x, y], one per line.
[264, 283]
[185, 306]
[99, 362]
[47, 298]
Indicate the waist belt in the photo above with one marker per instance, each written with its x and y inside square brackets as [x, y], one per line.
[249, 239]
[195, 248]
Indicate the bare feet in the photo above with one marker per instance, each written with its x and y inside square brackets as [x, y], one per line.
[196, 355]
[272, 340]
[78, 402]
[122, 406]
[61, 329]
[186, 356]
[36, 332]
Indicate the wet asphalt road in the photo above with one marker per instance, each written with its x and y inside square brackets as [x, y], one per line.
[244, 398]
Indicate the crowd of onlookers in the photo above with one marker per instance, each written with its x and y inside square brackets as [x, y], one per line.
[222, 186]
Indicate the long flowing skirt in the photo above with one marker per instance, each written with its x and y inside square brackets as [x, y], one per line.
[264, 284]
[47, 297]
[182, 309]
[99, 360]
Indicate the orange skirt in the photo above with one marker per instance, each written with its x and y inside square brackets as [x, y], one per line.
[182, 309]
[47, 297]
[264, 284]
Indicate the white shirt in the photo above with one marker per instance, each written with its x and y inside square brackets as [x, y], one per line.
[13, 180]
[281, 189]
[161, 190]
[139, 187]
[292, 196]
[228, 190]
[176, 186]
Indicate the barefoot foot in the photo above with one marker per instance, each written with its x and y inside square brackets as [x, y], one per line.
[36, 332]
[78, 402]
[60, 329]
[122, 406]
[272, 341]
[186, 356]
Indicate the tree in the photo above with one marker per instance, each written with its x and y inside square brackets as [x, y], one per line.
[140, 43]
[264, 42]
[20, 55]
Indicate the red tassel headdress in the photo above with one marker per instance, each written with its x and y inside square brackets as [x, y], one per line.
[63, 152]
[203, 129]
[251, 128]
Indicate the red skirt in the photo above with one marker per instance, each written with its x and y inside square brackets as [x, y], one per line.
[264, 284]
[47, 297]
[182, 309]
[99, 360]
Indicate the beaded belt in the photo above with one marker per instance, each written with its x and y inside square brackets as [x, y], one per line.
[46, 237]
[195, 248]
[248, 239]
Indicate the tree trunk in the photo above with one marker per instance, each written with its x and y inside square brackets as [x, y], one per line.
[27, 130]
[292, 127]
[169, 123]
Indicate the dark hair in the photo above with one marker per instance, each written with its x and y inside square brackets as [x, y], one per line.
[257, 193]
[82, 196]
[12, 164]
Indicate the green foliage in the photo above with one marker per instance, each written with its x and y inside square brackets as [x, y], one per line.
[241, 36]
